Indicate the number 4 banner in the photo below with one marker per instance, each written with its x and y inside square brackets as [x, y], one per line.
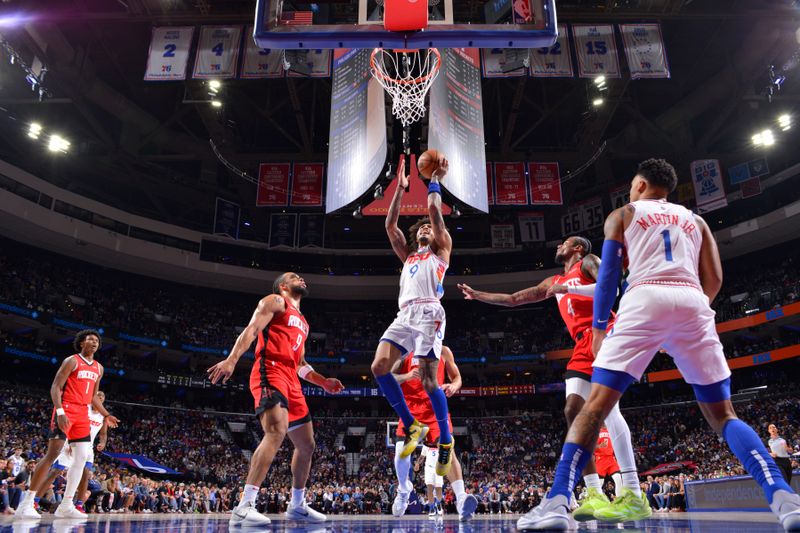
[169, 53]
[531, 227]
[596, 50]
[217, 52]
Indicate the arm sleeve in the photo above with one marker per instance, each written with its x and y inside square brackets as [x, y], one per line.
[607, 280]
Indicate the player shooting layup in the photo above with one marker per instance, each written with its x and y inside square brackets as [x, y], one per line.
[420, 324]
[674, 274]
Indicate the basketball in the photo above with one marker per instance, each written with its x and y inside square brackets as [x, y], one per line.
[428, 162]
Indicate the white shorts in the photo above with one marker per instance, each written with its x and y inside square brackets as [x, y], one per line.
[64, 460]
[578, 386]
[677, 318]
[418, 328]
[431, 455]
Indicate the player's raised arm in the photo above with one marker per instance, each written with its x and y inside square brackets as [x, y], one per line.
[307, 372]
[525, 296]
[444, 243]
[710, 267]
[396, 236]
[262, 316]
[452, 371]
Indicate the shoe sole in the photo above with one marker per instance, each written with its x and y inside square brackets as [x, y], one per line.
[470, 506]
[624, 519]
[557, 523]
[583, 516]
[408, 449]
[791, 523]
[301, 518]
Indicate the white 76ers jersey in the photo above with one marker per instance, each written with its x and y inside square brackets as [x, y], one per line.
[663, 243]
[422, 277]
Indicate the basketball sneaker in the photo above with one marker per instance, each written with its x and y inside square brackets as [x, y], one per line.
[245, 514]
[445, 458]
[552, 513]
[626, 508]
[27, 511]
[400, 503]
[466, 507]
[304, 512]
[787, 507]
[431, 510]
[67, 510]
[594, 501]
[414, 435]
[438, 508]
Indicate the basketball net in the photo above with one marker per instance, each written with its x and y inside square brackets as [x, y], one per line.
[406, 75]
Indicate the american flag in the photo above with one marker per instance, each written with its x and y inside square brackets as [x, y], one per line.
[297, 18]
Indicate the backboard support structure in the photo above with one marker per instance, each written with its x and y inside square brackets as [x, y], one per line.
[279, 29]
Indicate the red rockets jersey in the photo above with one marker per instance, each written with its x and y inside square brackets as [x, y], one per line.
[604, 447]
[412, 389]
[282, 340]
[79, 388]
[576, 310]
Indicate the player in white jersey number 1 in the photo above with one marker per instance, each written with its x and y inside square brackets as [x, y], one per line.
[674, 274]
[420, 324]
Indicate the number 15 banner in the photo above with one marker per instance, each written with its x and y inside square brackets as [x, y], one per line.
[217, 52]
[169, 53]
[596, 50]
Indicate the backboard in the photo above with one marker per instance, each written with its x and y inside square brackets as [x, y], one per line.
[359, 24]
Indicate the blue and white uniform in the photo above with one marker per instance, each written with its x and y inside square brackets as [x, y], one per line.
[64, 461]
[431, 455]
[420, 324]
[664, 305]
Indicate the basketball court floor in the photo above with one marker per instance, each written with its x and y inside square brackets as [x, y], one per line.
[732, 522]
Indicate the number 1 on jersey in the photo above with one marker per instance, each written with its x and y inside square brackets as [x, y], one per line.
[667, 245]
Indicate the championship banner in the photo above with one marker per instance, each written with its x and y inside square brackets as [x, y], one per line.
[226, 218]
[504, 62]
[217, 52]
[140, 462]
[555, 61]
[596, 50]
[169, 53]
[311, 230]
[502, 235]
[273, 184]
[317, 65]
[583, 216]
[644, 48]
[489, 184]
[258, 63]
[509, 181]
[620, 197]
[282, 229]
[307, 184]
[708, 189]
[751, 187]
[531, 227]
[545, 183]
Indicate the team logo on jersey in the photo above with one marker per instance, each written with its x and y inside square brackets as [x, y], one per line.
[87, 374]
[295, 322]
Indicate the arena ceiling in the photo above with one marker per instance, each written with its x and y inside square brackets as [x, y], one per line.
[144, 147]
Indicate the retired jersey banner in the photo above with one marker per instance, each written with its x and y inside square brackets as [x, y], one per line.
[596, 50]
[502, 235]
[260, 63]
[307, 184]
[545, 183]
[621, 196]
[169, 53]
[503, 62]
[509, 179]
[708, 189]
[554, 61]
[583, 216]
[317, 65]
[644, 48]
[217, 52]
[531, 227]
[273, 184]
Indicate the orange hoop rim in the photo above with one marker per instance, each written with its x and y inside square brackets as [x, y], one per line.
[416, 81]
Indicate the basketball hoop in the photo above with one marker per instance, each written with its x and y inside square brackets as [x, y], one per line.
[406, 75]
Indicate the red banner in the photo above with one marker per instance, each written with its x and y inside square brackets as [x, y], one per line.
[509, 179]
[490, 183]
[751, 187]
[307, 184]
[273, 184]
[545, 183]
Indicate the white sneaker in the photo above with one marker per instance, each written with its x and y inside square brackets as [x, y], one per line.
[466, 507]
[247, 516]
[26, 511]
[431, 510]
[787, 507]
[304, 512]
[552, 513]
[68, 510]
[400, 504]
[439, 509]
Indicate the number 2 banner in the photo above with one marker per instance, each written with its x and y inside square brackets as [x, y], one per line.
[217, 52]
[596, 50]
[169, 53]
[554, 61]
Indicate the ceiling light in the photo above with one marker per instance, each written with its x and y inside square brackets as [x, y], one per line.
[214, 85]
[58, 144]
[785, 122]
[764, 138]
[600, 80]
[34, 130]
[597, 102]
[216, 103]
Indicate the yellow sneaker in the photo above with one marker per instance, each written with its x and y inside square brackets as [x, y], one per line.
[594, 501]
[445, 458]
[626, 508]
[414, 435]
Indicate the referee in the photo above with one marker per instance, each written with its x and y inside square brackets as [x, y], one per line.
[781, 452]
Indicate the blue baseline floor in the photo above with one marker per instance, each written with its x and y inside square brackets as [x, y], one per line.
[732, 522]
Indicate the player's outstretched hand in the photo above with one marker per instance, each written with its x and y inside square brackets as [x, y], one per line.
[441, 170]
[598, 335]
[222, 370]
[402, 178]
[112, 421]
[63, 423]
[554, 289]
[469, 292]
[448, 389]
[100, 446]
[332, 386]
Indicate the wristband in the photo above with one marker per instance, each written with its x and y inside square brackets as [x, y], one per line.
[434, 187]
[582, 290]
[607, 280]
[304, 371]
[59, 411]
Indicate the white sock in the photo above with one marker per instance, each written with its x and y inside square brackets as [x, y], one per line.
[80, 453]
[620, 435]
[249, 496]
[458, 488]
[617, 477]
[402, 466]
[298, 496]
[593, 481]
